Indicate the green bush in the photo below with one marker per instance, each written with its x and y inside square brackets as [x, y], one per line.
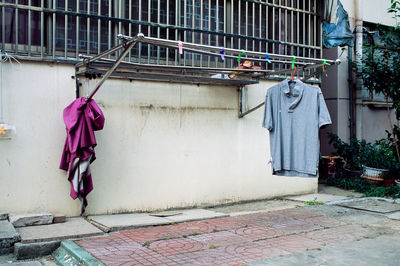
[361, 185]
[358, 153]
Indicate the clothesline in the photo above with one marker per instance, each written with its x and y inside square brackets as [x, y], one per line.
[129, 42]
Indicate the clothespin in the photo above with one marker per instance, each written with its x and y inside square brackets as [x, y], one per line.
[3, 130]
[267, 58]
[325, 63]
[222, 53]
[240, 56]
[293, 67]
[180, 45]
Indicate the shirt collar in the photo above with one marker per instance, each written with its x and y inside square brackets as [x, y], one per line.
[297, 91]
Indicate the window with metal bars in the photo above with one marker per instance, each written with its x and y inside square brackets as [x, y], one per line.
[63, 29]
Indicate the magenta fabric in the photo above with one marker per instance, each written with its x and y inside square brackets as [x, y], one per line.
[81, 119]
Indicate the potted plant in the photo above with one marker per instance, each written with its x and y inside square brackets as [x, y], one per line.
[379, 162]
[375, 162]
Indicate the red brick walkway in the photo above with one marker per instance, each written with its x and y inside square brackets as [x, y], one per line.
[222, 241]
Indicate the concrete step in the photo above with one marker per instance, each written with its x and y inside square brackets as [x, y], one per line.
[73, 228]
[3, 216]
[8, 237]
[70, 253]
[34, 250]
[28, 219]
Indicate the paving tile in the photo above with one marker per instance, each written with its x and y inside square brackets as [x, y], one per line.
[338, 234]
[227, 223]
[117, 249]
[218, 239]
[296, 227]
[206, 257]
[324, 221]
[258, 232]
[137, 256]
[228, 255]
[297, 213]
[193, 228]
[222, 241]
[152, 233]
[176, 246]
[109, 243]
[292, 243]
[146, 234]
[279, 217]
[253, 251]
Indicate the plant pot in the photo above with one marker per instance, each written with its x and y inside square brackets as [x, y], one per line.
[387, 182]
[376, 176]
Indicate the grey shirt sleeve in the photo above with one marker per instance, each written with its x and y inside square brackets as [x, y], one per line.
[323, 114]
[268, 122]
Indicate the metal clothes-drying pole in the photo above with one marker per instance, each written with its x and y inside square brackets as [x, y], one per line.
[129, 42]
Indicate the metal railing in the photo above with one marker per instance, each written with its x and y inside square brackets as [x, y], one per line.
[61, 30]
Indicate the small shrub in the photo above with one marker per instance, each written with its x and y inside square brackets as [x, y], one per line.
[313, 202]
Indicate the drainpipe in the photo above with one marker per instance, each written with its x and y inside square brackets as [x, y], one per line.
[358, 16]
[351, 91]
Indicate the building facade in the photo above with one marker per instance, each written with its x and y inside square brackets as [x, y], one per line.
[165, 144]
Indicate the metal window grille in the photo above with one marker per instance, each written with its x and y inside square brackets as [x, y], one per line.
[63, 29]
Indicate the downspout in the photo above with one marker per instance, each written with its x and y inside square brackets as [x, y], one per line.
[351, 91]
[358, 55]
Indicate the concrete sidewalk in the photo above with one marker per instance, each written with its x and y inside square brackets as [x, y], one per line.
[252, 232]
[274, 237]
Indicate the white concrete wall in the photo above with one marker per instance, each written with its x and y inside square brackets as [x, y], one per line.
[163, 146]
[370, 123]
[374, 11]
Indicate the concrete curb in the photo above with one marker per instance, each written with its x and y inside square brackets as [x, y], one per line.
[34, 250]
[70, 253]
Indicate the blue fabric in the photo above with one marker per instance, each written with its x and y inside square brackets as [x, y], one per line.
[338, 34]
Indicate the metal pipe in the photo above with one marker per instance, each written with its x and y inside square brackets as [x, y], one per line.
[29, 30]
[99, 28]
[66, 31]
[1, 89]
[350, 82]
[53, 34]
[138, 37]
[3, 26]
[109, 72]
[77, 31]
[87, 28]
[16, 28]
[41, 30]
[216, 69]
[358, 55]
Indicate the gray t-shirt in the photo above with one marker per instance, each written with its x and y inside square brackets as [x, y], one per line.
[293, 114]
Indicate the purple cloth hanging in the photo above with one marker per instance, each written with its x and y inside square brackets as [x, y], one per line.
[81, 119]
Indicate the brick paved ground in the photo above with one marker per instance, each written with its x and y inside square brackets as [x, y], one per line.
[223, 241]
